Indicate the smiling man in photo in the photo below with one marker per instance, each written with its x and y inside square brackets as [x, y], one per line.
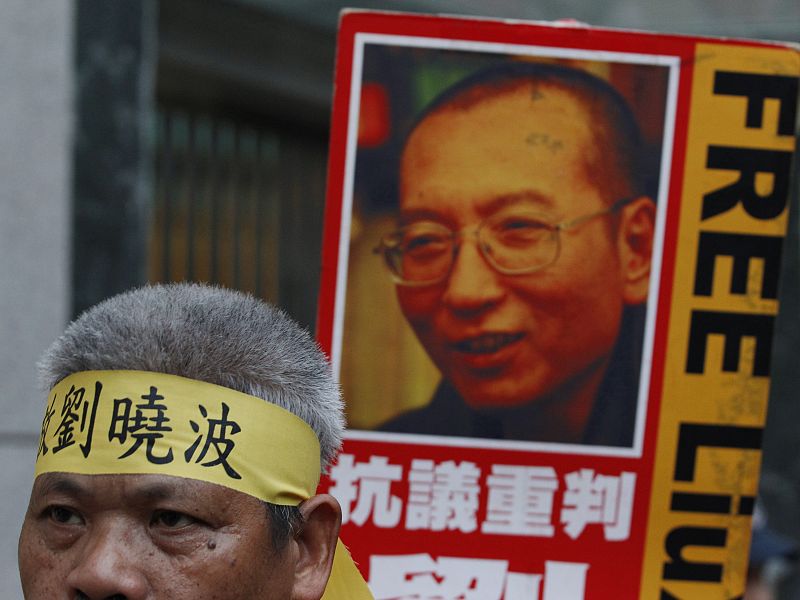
[522, 257]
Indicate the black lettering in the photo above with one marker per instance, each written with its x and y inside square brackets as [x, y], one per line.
[681, 569]
[749, 162]
[140, 426]
[746, 505]
[757, 88]
[86, 447]
[696, 435]
[217, 435]
[665, 595]
[742, 248]
[702, 503]
[734, 326]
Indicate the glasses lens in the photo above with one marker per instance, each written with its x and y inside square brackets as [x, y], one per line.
[519, 242]
[420, 253]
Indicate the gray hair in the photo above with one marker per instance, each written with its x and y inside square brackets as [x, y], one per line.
[209, 334]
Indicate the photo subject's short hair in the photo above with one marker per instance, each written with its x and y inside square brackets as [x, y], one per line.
[614, 126]
[208, 334]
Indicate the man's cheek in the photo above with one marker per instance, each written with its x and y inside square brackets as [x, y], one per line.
[418, 305]
[40, 570]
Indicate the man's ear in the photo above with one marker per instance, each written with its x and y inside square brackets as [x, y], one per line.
[316, 542]
[635, 244]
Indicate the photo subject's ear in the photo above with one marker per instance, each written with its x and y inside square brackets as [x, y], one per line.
[635, 243]
[316, 543]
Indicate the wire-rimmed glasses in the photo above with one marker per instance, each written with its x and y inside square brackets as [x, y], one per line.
[513, 241]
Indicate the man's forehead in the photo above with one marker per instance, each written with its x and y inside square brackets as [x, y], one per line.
[523, 110]
[582, 110]
[131, 487]
[526, 94]
[508, 148]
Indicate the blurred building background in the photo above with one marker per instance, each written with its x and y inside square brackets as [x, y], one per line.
[186, 139]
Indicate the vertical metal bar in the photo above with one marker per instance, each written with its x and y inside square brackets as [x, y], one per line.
[260, 200]
[271, 222]
[214, 187]
[249, 210]
[237, 217]
[191, 195]
[168, 173]
[154, 239]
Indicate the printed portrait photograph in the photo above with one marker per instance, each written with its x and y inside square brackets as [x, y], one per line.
[504, 238]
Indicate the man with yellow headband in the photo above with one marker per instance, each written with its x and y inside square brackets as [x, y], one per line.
[181, 446]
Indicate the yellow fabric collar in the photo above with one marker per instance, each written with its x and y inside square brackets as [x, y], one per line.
[126, 422]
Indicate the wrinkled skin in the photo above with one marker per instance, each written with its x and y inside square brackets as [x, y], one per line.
[153, 537]
[507, 341]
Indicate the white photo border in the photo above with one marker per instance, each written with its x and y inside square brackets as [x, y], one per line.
[673, 64]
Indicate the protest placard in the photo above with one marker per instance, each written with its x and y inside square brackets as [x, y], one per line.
[549, 286]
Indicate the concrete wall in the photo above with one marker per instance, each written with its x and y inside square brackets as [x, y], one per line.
[35, 156]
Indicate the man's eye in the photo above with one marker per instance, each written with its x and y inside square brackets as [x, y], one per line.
[172, 519]
[64, 515]
[520, 229]
[419, 244]
[520, 224]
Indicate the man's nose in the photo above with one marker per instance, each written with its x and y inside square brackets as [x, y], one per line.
[107, 567]
[472, 285]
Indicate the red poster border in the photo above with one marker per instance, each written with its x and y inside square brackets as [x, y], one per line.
[568, 35]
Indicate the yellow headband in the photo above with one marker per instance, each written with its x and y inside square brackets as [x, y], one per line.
[126, 422]
[140, 422]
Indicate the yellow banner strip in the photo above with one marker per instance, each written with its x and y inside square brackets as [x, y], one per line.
[140, 422]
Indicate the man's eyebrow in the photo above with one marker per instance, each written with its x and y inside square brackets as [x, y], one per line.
[146, 492]
[485, 208]
[419, 214]
[497, 203]
[62, 484]
[154, 491]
